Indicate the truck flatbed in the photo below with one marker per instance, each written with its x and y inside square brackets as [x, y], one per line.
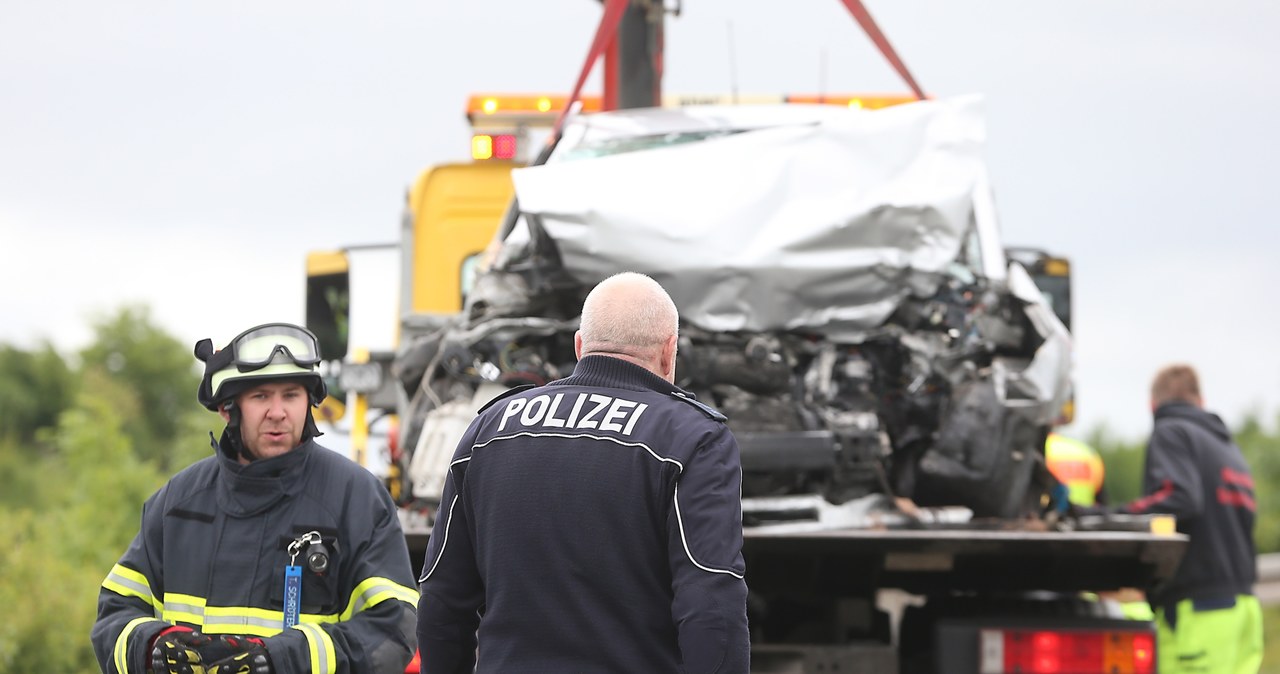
[925, 561]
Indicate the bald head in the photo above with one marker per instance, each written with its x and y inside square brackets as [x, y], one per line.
[630, 316]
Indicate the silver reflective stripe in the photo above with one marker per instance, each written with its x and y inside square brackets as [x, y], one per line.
[129, 583]
[172, 606]
[368, 594]
[141, 590]
[122, 644]
[229, 624]
[323, 658]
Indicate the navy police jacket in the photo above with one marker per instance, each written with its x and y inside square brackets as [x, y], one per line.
[590, 525]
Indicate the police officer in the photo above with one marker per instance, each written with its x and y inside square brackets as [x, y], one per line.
[272, 555]
[593, 524]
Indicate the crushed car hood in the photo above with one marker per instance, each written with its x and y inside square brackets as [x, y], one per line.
[823, 221]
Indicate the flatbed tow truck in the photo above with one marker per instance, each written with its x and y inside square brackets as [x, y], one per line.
[943, 594]
[871, 585]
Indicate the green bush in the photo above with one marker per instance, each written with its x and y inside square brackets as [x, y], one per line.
[76, 463]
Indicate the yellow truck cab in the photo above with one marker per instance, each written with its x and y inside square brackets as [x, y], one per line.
[451, 213]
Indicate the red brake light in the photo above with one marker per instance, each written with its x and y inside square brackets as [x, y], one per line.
[1144, 654]
[504, 146]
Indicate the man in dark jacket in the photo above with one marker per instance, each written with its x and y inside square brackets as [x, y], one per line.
[1208, 620]
[274, 555]
[593, 524]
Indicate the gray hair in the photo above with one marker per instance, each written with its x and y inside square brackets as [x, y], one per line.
[628, 312]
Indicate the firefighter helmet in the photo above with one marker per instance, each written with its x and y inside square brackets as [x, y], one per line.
[262, 353]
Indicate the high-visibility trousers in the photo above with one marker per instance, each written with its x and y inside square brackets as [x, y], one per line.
[1211, 638]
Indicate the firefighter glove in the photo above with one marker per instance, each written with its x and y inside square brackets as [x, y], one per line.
[190, 652]
[253, 661]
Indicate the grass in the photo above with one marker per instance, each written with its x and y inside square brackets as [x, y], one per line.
[1271, 635]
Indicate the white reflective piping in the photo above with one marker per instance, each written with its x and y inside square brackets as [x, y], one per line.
[676, 495]
[444, 544]
[528, 434]
[685, 541]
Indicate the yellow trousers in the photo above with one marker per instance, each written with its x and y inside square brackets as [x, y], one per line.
[1224, 640]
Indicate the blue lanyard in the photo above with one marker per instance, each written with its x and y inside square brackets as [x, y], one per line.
[292, 594]
[293, 579]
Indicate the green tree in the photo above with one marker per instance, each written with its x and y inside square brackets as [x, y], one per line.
[1261, 448]
[57, 549]
[35, 387]
[159, 370]
[109, 434]
[1123, 462]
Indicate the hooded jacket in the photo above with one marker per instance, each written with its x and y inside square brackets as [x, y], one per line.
[1195, 472]
[590, 525]
[211, 554]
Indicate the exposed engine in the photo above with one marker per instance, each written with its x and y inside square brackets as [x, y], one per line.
[910, 409]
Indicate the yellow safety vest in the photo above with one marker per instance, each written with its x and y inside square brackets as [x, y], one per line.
[1077, 466]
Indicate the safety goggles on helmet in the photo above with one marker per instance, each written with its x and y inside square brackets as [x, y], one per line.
[279, 343]
[267, 352]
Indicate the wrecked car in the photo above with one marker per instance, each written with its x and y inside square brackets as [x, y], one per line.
[844, 297]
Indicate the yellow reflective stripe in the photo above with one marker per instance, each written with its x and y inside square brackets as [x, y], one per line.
[324, 660]
[247, 620]
[183, 608]
[129, 583]
[243, 620]
[122, 644]
[374, 591]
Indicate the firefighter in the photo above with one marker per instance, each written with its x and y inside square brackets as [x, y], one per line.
[274, 554]
[593, 524]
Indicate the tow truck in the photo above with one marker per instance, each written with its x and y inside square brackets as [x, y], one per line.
[870, 584]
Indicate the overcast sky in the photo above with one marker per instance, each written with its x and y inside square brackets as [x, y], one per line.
[186, 156]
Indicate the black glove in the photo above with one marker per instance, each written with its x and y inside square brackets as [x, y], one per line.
[190, 652]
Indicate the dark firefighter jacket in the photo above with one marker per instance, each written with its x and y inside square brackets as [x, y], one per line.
[211, 554]
[590, 525]
[1196, 473]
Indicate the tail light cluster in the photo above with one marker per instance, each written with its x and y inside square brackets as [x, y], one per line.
[1023, 651]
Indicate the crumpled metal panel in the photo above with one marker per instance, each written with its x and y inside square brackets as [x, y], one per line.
[1038, 389]
[824, 225]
